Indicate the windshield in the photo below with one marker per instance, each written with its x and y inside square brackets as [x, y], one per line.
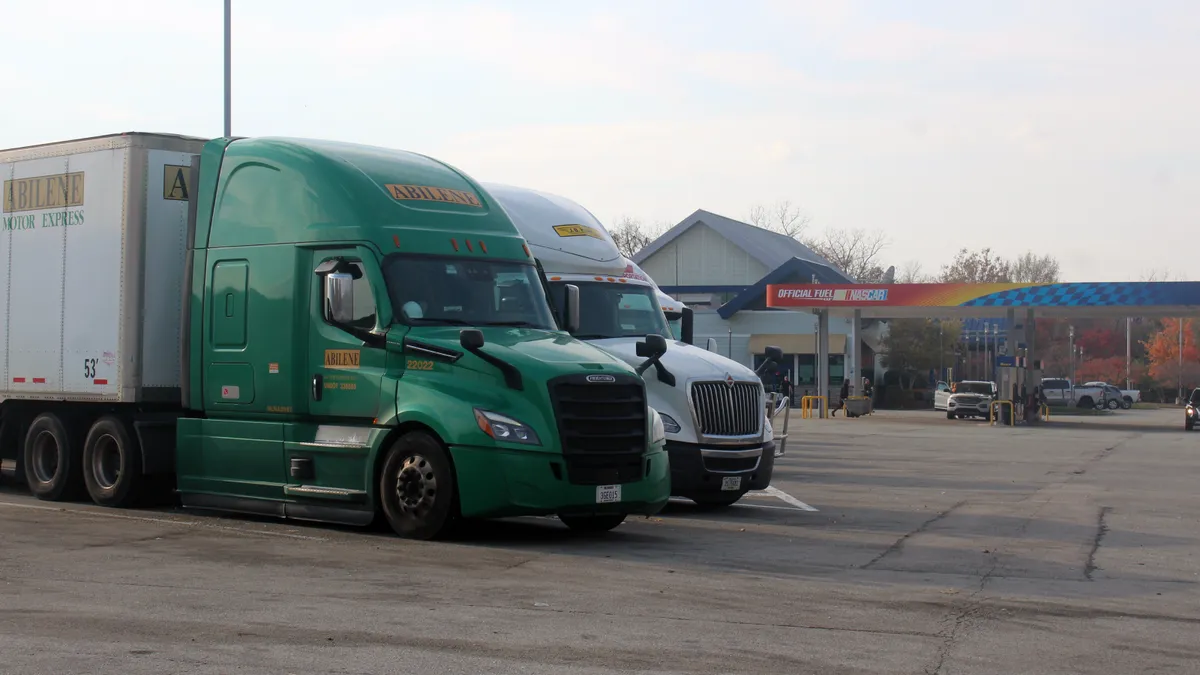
[974, 388]
[608, 310]
[433, 291]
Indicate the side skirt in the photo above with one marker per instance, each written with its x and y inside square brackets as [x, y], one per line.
[320, 513]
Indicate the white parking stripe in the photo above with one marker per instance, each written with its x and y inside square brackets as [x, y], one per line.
[775, 492]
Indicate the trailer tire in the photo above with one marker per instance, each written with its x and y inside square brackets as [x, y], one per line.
[417, 488]
[112, 464]
[53, 461]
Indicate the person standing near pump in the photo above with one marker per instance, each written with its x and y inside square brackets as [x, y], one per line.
[845, 394]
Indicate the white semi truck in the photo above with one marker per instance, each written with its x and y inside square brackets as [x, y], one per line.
[719, 440]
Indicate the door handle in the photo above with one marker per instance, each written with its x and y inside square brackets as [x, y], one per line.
[318, 382]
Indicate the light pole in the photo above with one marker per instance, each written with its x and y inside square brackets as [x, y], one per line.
[1071, 334]
[228, 71]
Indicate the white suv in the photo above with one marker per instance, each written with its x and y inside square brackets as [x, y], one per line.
[970, 398]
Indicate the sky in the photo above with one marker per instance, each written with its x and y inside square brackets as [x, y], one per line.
[1068, 127]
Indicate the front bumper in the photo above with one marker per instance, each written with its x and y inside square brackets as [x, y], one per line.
[501, 483]
[697, 469]
[970, 409]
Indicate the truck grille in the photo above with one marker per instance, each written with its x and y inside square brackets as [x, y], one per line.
[602, 427]
[723, 410]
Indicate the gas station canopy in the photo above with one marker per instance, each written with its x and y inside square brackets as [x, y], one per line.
[1065, 300]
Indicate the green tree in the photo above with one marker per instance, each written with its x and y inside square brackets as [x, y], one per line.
[916, 345]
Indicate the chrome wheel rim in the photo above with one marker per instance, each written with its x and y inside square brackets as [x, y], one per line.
[416, 486]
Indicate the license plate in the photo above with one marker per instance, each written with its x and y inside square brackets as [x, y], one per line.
[731, 483]
[608, 494]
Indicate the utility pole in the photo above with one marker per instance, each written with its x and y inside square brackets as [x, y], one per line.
[1128, 353]
[228, 72]
[1181, 360]
[1072, 344]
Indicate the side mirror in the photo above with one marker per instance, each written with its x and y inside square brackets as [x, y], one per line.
[773, 355]
[653, 347]
[339, 297]
[687, 327]
[470, 339]
[572, 308]
[711, 345]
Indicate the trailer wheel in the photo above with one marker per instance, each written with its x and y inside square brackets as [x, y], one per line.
[53, 463]
[416, 487]
[112, 464]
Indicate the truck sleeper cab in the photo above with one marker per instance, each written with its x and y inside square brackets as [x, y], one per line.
[428, 375]
[713, 408]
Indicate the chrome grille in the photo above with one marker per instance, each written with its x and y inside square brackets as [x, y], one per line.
[722, 410]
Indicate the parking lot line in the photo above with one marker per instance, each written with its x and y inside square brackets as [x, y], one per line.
[775, 492]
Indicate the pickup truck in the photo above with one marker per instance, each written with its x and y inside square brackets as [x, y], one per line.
[1060, 392]
[1127, 397]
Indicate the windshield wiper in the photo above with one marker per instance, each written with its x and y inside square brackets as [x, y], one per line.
[443, 321]
[525, 324]
[591, 337]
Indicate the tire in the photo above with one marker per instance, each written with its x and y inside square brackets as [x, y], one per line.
[1087, 402]
[1127, 403]
[1113, 404]
[592, 524]
[1187, 426]
[416, 488]
[53, 462]
[949, 415]
[112, 464]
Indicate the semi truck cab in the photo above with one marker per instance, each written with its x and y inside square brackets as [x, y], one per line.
[713, 409]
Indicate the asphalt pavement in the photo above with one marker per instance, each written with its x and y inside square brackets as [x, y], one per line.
[896, 543]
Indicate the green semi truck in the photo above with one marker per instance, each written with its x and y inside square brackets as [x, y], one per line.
[302, 329]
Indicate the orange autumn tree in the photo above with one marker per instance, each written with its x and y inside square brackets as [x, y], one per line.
[1162, 352]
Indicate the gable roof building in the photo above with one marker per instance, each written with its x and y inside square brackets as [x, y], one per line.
[708, 259]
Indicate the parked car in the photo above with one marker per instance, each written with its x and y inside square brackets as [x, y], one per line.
[1060, 392]
[969, 398]
[1127, 397]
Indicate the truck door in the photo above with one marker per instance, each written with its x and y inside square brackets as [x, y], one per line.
[344, 374]
[327, 454]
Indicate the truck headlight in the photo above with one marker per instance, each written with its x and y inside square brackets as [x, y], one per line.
[669, 424]
[657, 433]
[506, 429]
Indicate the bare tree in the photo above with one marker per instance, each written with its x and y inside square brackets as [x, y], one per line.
[855, 252]
[1034, 269]
[783, 217]
[977, 267]
[1163, 274]
[912, 273]
[631, 236]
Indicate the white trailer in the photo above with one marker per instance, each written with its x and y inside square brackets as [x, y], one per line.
[91, 282]
[719, 439]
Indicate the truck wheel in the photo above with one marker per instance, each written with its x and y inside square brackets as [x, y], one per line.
[592, 523]
[950, 414]
[416, 487]
[1127, 403]
[1087, 402]
[112, 464]
[52, 460]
